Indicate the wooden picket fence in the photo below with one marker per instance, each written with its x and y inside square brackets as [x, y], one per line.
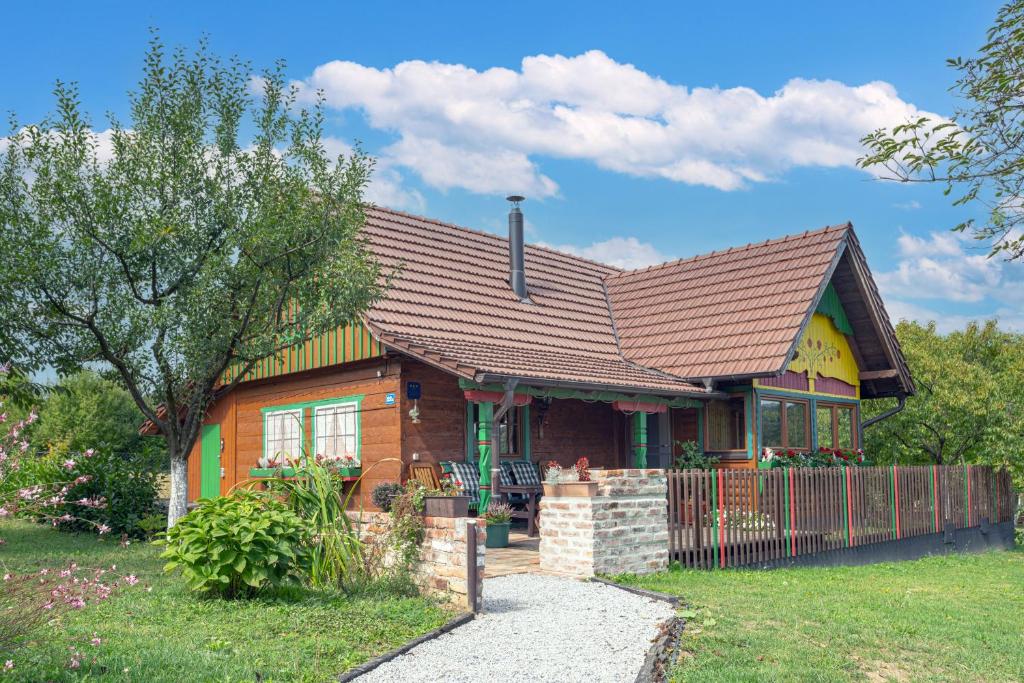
[733, 518]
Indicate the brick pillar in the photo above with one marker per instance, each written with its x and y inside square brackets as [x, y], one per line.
[622, 528]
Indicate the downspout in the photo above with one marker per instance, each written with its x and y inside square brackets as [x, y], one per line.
[499, 412]
[887, 414]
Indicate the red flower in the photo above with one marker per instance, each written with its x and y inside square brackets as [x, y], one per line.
[790, 453]
[458, 483]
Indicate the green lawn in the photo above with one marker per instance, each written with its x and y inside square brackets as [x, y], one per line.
[951, 618]
[170, 635]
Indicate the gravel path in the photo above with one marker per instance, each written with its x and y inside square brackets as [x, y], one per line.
[539, 628]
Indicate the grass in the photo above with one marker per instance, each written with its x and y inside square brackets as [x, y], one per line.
[948, 618]
[168, 634]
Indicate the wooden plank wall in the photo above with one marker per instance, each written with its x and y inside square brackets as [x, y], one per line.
[735, 518]
[241, 420]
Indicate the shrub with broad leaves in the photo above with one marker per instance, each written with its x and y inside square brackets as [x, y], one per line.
[237, 545]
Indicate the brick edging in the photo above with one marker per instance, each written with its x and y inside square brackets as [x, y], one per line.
[643, 592]
[369, 666]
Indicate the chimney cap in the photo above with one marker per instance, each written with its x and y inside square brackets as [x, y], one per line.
[515, 198]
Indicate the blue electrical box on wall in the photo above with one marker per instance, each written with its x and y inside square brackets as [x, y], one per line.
[412, 390]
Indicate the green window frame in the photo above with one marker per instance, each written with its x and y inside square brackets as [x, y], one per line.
[836, 425]
[347, 406]
[283, 418]
[301, 410]
[789, 412]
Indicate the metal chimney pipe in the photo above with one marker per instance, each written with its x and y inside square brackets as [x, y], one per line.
[516, 258]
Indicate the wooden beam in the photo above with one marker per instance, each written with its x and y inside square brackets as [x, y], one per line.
[868, 375]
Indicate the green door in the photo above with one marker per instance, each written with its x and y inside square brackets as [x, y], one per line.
[209, 466]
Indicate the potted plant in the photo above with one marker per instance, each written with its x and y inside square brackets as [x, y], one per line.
[569, 481]
[499, 520]
[447, 501]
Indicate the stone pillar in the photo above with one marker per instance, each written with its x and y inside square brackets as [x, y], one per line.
[622, 528]
[444, 568]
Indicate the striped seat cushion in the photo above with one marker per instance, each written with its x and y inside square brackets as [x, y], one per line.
[469, 474]
[526, 473]
[506, 474]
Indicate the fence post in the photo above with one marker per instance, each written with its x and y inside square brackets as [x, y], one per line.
[847, 512]
[967, 496]
[792, 514]
[716, 506]
[934, 486]
[785, 510]
[892, 499]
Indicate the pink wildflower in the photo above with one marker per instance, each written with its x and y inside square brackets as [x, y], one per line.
[89, 452]
[8, 665]
[69, 464]
[95, 640]
[131, 579]
[103, 528]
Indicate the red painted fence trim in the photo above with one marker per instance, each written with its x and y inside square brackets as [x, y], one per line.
[896, 497]
[721, 520]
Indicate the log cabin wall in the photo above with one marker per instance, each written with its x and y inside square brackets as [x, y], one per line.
[573, 429]
[239, 415]
[441, 433]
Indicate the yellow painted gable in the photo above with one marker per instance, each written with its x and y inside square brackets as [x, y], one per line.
[825, 351]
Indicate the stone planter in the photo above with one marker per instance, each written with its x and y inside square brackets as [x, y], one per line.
[497, 534]
[446, 506]
[571, 489]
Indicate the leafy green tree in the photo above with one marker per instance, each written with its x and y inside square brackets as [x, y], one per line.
[970, 402]
[976, 154]
[213, 231]
[88, 411]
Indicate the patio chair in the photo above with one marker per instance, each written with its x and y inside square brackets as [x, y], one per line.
[425, 474]
[469, 474]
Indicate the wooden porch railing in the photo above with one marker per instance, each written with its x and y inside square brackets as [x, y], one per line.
[733, 518]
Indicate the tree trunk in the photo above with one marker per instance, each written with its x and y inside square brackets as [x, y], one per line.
[178, 504]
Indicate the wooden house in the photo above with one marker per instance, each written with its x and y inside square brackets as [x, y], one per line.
[550, 356]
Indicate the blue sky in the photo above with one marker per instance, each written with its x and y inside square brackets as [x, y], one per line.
[638, 132]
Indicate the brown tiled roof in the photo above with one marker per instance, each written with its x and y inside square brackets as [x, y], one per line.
[450, 304]
[731, 313]
[735, 313]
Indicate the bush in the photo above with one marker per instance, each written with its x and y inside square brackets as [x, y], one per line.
[384, 494]
[238, 545]
[87, 411]
[121, 487]
[693, 457]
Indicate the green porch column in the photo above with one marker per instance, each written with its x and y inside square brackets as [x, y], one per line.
[483, 444]
[640, 440]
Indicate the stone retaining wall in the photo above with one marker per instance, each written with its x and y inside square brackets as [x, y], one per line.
[622, 528]
[443, 569]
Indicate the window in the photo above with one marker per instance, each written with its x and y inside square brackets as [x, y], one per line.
[836, 426]
[282, 435]
[727, 425]
[336, 430]
[784, 424]
[508, 430]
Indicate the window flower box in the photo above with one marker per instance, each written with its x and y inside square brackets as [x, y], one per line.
[267, 472]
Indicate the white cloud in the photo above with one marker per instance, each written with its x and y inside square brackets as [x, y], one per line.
[912, 205]
[387, 186]
[941, 269]
[482, 130]
[622, 252]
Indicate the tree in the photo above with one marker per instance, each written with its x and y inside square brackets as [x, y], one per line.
[181, 249]
[88, 411]
[977, 153]
[968, 408]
